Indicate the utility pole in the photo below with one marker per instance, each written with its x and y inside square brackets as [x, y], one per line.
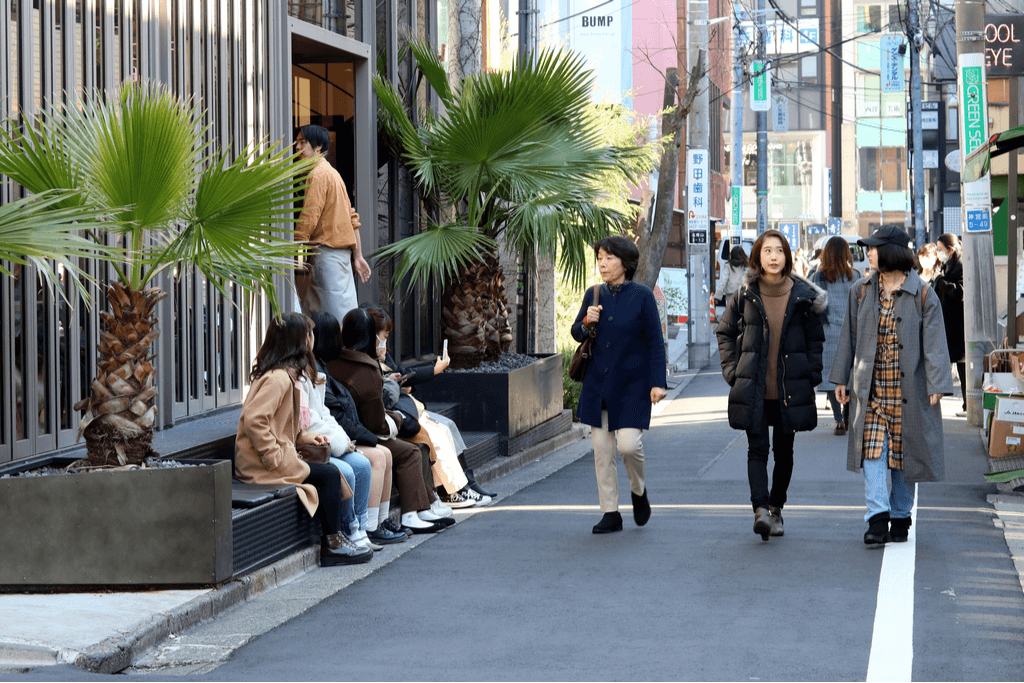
[915, 40]
[976, 205]
[762, 132]
[698, 253]
[527, 28]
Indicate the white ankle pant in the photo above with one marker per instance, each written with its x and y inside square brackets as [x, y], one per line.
[628, 443]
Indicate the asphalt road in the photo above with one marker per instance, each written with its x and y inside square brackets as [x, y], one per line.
[524, 591]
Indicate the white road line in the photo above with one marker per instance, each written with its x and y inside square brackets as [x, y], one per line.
[892, 640]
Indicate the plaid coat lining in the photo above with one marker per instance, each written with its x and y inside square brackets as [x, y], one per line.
[885, 404]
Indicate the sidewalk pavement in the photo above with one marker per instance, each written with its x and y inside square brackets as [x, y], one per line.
[106, 632]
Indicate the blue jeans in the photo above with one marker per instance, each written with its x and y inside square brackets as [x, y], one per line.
[876, 490]
[356, 469]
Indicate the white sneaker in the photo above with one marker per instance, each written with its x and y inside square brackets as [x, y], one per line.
[478, 500]
[412, 520]
[440, 509]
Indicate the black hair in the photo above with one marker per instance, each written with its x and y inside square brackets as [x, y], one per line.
[358, 332]
[738, 258]
[895, 257]
[623, 249]
[327, 337]
[755, 252]
[951, 243]
[381, 319]
[316, 136]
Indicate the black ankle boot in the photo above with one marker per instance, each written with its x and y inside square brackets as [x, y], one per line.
[878, 530]
[475, 485]
[641, 508]
[612, 521]
[899, 529]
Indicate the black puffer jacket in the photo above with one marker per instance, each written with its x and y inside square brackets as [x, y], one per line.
[342, 406]
[743, 346]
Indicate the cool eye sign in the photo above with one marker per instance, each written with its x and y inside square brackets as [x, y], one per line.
[1004, 54]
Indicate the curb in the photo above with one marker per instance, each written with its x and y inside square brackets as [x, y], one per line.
[119, 652]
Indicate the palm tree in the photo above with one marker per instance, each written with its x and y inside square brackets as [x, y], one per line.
[518, 159]
[137, 165]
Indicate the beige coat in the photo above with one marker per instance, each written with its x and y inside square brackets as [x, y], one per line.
[265, 443]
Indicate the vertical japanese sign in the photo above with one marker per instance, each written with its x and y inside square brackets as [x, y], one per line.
[835, 225]
[973, 112]
[780, 113]
[737, 214]
[697, 223]
[760, 86]
[792, 233]
[892, 62]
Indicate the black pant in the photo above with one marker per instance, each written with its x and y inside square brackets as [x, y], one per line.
[757, 459]
[327, 481]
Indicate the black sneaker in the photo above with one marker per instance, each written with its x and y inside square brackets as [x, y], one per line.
[478, 500]
[457, 500]
[385, 537]
[394, 528]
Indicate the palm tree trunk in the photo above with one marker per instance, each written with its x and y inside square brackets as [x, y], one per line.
[474, 315]
[120, 410]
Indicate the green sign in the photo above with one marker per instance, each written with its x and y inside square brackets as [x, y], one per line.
[974, 109]
[760, 87]
[737, 207]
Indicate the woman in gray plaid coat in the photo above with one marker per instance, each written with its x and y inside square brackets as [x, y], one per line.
[892, 355]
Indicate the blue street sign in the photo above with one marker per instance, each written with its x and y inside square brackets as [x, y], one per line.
[792, 233]
[978, 220]
[835, 225]
[817, 229]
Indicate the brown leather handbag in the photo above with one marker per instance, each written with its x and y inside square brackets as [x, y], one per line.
[584, 352]
[314, 452]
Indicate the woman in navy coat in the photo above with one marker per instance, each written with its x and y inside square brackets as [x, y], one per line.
[625, 377]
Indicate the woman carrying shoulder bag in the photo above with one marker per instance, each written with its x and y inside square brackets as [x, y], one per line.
[269, 431]
[770, 340]
[626, 376]
[892, 355]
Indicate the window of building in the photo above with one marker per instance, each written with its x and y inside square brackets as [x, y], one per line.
[808, 8]
[882, 169]
[869, 18]
[809, 70]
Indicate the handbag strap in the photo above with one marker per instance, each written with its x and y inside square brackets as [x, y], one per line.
[592, 332]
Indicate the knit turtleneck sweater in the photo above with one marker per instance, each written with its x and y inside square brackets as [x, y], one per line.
[775, 297]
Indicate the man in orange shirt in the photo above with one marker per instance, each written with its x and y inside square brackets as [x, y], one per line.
[330, 224]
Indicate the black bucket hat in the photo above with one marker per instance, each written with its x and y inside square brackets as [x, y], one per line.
[887, 234]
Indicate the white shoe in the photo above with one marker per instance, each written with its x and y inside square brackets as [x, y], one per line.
[440, 509]
[413, 521]
[479, 500]
[363, 541]
[428, 516]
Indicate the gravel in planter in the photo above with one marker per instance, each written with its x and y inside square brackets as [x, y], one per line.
[506, 363]
[76, 468]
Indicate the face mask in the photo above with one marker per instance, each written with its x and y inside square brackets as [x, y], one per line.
[381, 344]
[943, 256]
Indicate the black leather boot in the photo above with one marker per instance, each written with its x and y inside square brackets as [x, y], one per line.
[878, 530]
[338, 549]
[762, 523]
[899, 529]
[612, 521]
[475, 485]
[641, 508]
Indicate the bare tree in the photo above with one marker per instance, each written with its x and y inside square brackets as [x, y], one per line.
[652, 242]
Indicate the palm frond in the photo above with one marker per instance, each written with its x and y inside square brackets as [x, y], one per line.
[440, 250]
[38, 229]
[39, 159]
[432, 69]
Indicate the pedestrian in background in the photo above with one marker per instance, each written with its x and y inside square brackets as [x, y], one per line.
[732, 274]
[949, 285]
[836, 276]
[893, 358]
[627, 375]
[928, 262]
[770, 340]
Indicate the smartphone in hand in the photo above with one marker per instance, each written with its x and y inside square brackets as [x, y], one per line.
[444, 349]
[405, 377]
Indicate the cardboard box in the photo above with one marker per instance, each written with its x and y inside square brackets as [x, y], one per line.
[1006, 437]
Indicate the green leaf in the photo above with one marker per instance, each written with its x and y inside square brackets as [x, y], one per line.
[440, 250]
[432, 69]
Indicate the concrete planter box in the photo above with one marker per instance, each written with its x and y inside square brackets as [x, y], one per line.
[508, 403]
[137, 527]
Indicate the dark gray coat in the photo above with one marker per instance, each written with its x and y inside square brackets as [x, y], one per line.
[743, 341]
[924, 370]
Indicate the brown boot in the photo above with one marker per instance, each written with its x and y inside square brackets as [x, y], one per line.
[338, 549]
[762, 523]
[775, 517]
